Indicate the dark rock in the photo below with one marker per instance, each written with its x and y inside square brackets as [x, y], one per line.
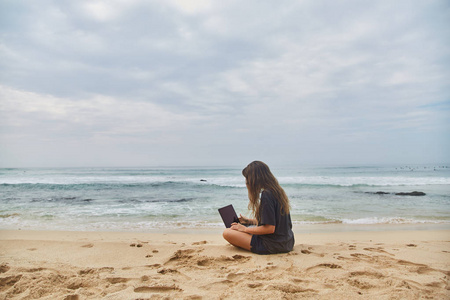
[377, 193]
[415, 193]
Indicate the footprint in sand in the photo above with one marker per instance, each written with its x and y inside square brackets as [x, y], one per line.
[361, 284]
[167, 271]
[222, 260]
[297, 280]
[182, 255]
[364, 279]
[291, 289]
[9, 281]
[154, 266]
[218, 285]
[157, 288]
[32, 249]
[241, 257]
[193, 297]
[4, 268]
[89, 271]
[436, 284]
[114, 280]
[199, 243]
[367, 274]
[304, 251]
[321, 266]
[74, 283]
[361, 255]
[232, 275]
[378, 250]
[419, 268]
[32, 270]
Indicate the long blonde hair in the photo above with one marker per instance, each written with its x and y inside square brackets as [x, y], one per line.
[258, 177]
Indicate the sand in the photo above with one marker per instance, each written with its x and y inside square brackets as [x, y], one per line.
[201, 265]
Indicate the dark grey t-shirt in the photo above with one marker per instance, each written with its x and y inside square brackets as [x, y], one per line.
[282, 240]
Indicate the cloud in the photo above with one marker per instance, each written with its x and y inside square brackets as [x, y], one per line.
[192, 6]
[99, 115]
[214, 76]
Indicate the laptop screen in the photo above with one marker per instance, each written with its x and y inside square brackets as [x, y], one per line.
[228, 215]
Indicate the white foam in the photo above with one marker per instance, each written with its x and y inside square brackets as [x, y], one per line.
[75, 176]
[364, 180]
[390, 220]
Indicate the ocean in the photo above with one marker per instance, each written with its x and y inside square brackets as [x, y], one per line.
[171, 198]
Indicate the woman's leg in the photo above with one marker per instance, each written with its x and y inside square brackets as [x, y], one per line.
[238, 238]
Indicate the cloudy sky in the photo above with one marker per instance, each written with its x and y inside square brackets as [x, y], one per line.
[185, 82]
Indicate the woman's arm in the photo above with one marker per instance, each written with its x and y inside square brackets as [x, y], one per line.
[258, 230]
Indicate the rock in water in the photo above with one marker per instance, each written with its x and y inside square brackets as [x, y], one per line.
[415, 193]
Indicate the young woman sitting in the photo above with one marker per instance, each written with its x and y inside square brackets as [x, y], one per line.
[272, 232]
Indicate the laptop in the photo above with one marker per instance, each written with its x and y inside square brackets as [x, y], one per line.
[228, 215]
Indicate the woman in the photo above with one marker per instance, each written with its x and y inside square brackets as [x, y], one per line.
[270, 205]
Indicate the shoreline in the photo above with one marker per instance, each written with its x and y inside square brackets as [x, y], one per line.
[215, 237]
[394, 264]
[297, 228]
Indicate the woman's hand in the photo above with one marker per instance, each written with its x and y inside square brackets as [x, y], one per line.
[238, 227]
[243, 220]
[246, 221]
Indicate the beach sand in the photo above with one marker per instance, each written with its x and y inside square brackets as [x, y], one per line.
[201, 265]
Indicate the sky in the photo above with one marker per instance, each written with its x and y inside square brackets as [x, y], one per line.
[139, 83]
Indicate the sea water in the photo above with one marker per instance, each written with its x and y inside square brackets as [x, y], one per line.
[144, 199]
